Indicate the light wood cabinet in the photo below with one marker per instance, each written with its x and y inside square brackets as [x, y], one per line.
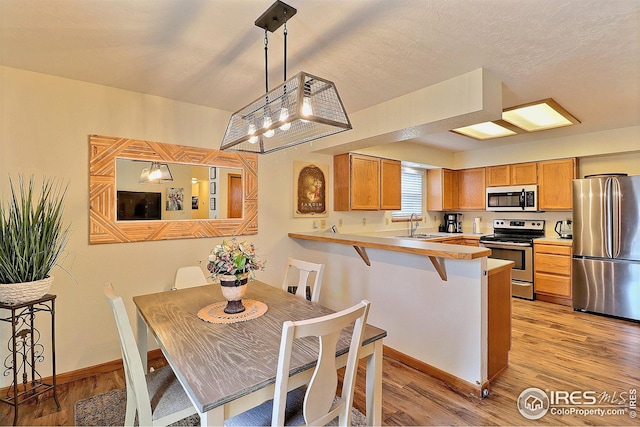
[363, 182]
[390, 184]
[498, 321]
[442, 189]
[514, 174]
[498, 176]
[552, 275]
[524, 173]
[555, 179]
[471, 189]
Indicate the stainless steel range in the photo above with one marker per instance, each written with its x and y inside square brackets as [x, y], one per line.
[513, 241]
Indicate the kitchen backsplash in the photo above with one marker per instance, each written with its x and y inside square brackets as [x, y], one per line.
[360, 222]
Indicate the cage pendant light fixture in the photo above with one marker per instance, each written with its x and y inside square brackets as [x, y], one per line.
[302, 109]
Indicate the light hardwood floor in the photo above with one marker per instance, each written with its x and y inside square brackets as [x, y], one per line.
[553, 348]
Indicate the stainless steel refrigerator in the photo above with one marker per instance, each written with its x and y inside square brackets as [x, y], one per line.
[606, 245]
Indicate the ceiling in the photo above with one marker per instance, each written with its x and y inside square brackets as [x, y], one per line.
[583, 53]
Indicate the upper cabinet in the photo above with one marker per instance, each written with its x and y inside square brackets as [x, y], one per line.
[455, 190]
[555, 179]
[390, 184]
[471, 189]
[465, 189]
[442, 189]
[498, 176]
[363, 182]
[516, 174]
[524, 174]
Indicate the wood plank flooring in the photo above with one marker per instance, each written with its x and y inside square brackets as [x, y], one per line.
[553, 348]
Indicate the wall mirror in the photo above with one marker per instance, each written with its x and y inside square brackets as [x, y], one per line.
[211, 193]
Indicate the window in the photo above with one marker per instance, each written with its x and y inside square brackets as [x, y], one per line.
[412, 194]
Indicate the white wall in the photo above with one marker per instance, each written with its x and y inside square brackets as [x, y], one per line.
[44, 126]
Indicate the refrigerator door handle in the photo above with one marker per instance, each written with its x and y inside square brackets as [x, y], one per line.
[615, 217]
[608, 220]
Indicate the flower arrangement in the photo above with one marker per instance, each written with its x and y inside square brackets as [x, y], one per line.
[234, 258]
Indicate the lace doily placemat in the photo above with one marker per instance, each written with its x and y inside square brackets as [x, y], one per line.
[214, 313]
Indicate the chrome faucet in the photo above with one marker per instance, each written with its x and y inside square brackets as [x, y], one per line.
[414, 216]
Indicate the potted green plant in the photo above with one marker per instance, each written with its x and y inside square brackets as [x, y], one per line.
[32, 239]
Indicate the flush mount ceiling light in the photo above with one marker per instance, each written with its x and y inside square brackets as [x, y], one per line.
[302, 109]
[539, 115]
[157, 173]
[488, 130]
[531, 117]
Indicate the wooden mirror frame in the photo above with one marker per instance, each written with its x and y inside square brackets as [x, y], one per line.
[103, 227]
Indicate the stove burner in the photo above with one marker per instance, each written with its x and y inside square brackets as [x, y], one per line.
[515, 231]
[506, 239]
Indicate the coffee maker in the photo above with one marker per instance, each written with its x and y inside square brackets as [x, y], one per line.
[453, 222]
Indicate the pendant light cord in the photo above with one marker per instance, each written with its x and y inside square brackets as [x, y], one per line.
[285, 44]
[266, 62]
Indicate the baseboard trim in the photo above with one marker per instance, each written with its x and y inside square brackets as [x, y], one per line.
[87, 372]
[456, 384]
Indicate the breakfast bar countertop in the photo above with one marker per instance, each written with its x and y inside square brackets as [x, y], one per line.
[397, 244]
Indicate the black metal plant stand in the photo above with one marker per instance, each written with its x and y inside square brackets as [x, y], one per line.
[26, 351]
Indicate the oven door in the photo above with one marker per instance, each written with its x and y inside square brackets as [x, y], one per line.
[522, 274]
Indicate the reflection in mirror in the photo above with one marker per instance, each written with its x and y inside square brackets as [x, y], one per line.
[210, 193]
[196, 192]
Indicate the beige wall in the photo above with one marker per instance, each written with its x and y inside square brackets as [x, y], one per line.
[44, 124]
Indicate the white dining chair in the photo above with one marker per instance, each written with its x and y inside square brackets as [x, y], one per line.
[317, 403]
[157, 397]
[303, 288]
[189, 276]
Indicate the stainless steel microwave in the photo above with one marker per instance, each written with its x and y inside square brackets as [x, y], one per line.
[515, 198]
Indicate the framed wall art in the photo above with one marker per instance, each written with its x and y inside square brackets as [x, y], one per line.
[175, 199]
[310, 189]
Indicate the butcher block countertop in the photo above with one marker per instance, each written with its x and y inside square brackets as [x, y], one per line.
[397, 244]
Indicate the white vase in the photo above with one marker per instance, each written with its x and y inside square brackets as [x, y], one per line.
[233, 290]
[17, 293]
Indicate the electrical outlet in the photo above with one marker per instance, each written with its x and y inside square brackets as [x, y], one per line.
[386, 221]
[323, 223]
[364, 221]
[315, 223]
[435, 218]
[340, 222]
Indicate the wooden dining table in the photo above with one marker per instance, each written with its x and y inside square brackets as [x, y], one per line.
[227, 369]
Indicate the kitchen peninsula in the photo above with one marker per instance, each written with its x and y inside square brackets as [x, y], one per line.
[447, 308]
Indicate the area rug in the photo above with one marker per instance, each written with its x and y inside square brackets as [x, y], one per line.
[108, 409]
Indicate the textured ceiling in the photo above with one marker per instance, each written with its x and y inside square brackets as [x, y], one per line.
[583, 53]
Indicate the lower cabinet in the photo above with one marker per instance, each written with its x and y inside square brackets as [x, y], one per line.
[552, 272]
[499, 321]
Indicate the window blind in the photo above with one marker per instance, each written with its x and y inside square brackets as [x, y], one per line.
[412, 195]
